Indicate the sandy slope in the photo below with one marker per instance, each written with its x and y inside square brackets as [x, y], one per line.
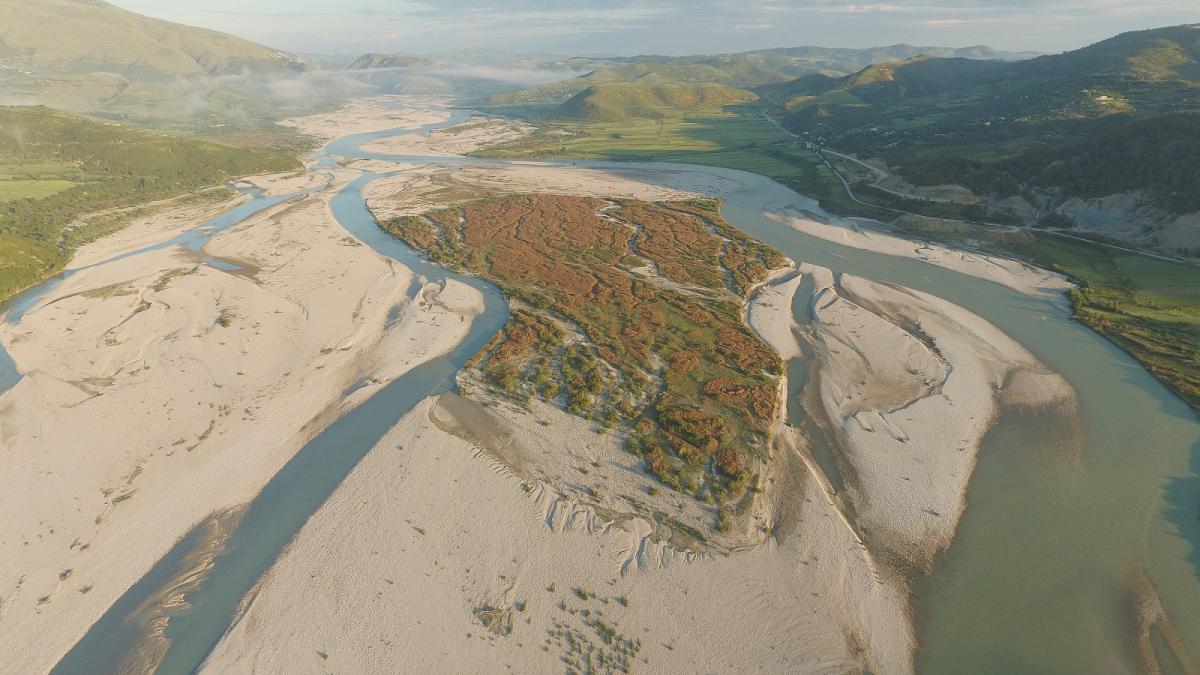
[395, 570]
[158, 390]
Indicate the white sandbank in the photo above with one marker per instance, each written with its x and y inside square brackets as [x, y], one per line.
[1032, 281]
[395, 571]
[908, 385]
[475, 134]
[364, 116]
[158, 390]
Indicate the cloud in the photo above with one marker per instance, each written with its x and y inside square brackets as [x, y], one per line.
[665, 26]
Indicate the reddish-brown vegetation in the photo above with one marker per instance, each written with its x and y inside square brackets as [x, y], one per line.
[568, 257]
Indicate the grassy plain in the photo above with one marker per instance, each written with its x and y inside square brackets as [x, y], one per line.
[1149, 307]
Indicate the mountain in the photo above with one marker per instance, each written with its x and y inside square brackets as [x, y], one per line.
[1100, 138]
[744, 69]
[381, 61]
[1160, 54]
[68, 37]
[90, 57]
[616, 102]
[1140, 72]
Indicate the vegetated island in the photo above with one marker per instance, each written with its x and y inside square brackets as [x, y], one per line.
[629, 313]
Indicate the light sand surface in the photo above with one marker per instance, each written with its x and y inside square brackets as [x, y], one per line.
[420, 188]
[476, 536]
[160, 222]
[159, 390]
[288, 183]
[908, 385]
[1014, 274]
[431, 540]
[477, 133]
[366, 115]
[811, 581]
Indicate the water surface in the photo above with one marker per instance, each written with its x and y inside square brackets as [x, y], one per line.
[1038, 579]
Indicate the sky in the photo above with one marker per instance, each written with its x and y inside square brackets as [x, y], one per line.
[626, 27]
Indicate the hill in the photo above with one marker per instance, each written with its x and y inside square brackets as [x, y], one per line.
[90, 57]
[53, 37]
[744, 69]
[57, 168]
[617, 102]
[1030, 139]
[1142, 73]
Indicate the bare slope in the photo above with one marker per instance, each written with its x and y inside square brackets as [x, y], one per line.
[83, 36]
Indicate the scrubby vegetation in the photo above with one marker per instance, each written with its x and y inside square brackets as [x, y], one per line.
[629, 314]
[89, 167]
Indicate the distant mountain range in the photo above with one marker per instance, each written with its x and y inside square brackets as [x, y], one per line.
[743, 70]
[1040, 140]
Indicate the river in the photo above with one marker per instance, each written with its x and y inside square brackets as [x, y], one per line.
[1038, 579]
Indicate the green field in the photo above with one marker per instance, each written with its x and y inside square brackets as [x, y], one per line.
[32, 189]
[669, 139]
[739, 138]
[1148, 307]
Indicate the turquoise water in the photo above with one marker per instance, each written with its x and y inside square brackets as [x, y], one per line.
[1057, 516]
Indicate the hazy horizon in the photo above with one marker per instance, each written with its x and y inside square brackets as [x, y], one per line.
[627, 27]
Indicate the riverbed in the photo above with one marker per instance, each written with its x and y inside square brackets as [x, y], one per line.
[1040, 577]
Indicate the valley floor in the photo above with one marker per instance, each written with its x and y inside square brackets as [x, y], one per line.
[479, 534]
[516, 536]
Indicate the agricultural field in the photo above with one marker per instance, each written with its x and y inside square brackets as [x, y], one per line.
[674, 138]
[1148, 307]
[627, 313]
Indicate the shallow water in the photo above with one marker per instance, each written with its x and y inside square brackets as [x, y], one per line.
[294, 494]
[15, 308]
[1037, 580]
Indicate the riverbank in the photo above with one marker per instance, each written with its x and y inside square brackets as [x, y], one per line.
[906, 385]
[192, 383]
[868, 236]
